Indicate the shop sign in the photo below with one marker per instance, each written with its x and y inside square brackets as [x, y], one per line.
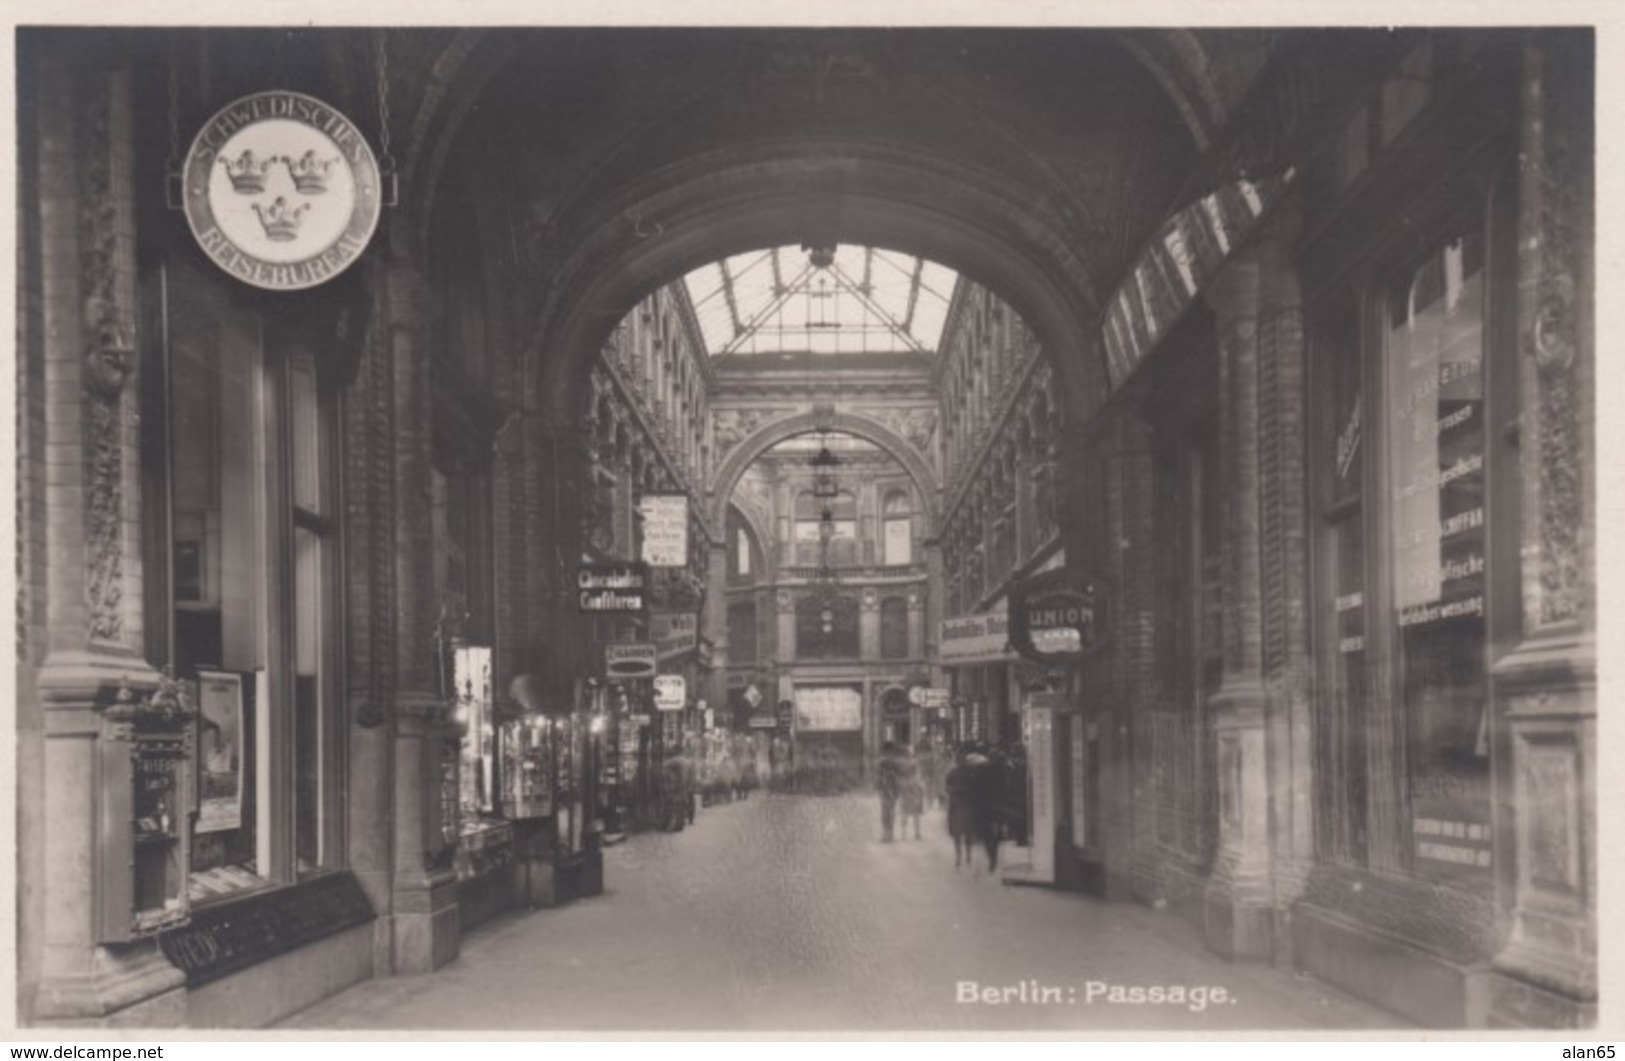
[630, 659]
[671, 692]
[281, 191]
[933, 697]
[1057, 616]
[612, 587]
[764, 722]
[753, 696]
[983, 638]
[674, 633]
[665, 529]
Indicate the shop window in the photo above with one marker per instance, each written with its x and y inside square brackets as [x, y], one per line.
[810, 527]
[1340, 763]
[1434, 354]
[894, 628]
[241, 586]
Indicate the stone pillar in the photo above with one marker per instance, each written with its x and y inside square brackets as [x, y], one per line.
[94, 639]
[1546, 688]
[424, 893]
[1284, 653]
[1238, 898]
[369, 669]
[716, 624]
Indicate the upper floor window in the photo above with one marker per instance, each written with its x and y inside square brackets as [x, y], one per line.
[897, 515]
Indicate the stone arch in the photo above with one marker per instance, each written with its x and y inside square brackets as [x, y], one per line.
[769, 435]
[766, 196]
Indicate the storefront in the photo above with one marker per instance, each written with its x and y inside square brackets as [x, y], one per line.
[975, 652]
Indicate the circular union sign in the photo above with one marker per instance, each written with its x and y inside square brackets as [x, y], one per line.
[282, 191]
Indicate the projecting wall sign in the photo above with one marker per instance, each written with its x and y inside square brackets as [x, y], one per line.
[282, 191]
[1057, 616]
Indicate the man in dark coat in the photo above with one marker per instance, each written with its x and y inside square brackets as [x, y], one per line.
[983, 786]
[889, 780]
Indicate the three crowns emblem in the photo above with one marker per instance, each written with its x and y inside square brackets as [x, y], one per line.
[248, 173]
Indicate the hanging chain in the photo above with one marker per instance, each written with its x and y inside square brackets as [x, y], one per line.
[386, 161]
[279, 71]
[173, 178]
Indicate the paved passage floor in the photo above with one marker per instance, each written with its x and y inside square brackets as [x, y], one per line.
[787, 913]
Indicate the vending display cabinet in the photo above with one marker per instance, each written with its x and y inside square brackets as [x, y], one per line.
[527, 769]
[146, 758]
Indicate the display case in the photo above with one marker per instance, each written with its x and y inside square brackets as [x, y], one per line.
[527, 769]
[145, 753]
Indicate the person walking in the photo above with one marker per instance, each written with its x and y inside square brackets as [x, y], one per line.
[930, 772]
[913, 795]
[957, 786]
[984, 787]
[889, 780]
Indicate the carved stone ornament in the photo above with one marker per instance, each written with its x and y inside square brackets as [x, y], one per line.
[168, 706]
[1552, 334]
[108, 362]
[729, 427]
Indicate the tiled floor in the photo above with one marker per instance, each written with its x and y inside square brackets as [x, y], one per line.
[786, 913]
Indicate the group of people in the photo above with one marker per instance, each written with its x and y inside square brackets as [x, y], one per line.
[976, 787]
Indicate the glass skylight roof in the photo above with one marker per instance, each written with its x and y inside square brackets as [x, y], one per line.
[812, 441]
[863, 301]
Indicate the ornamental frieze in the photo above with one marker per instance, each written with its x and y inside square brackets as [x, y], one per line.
[918, 425]
[729, 427]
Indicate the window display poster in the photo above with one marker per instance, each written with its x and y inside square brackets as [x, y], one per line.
[220, 751]
[828, 707]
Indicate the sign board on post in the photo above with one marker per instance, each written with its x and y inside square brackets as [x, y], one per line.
[933, 697]
[671, 692]
[1057, 616]
[612, 587]
[665, 529]
[631, 659]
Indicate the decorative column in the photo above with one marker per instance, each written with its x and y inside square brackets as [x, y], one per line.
[869, 624]
[1284, 652]
[716, 622]
[93, 634]
[916, 623]
[424, 894]
[1546, 688]
[1237, 902]
[934, 592]
[369, 637]
[785, 650]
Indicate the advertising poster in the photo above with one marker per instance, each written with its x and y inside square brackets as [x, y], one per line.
[220, 752]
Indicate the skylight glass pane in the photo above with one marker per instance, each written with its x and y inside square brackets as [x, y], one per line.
[867, 301]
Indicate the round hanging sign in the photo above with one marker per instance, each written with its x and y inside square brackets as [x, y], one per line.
[282, 191]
